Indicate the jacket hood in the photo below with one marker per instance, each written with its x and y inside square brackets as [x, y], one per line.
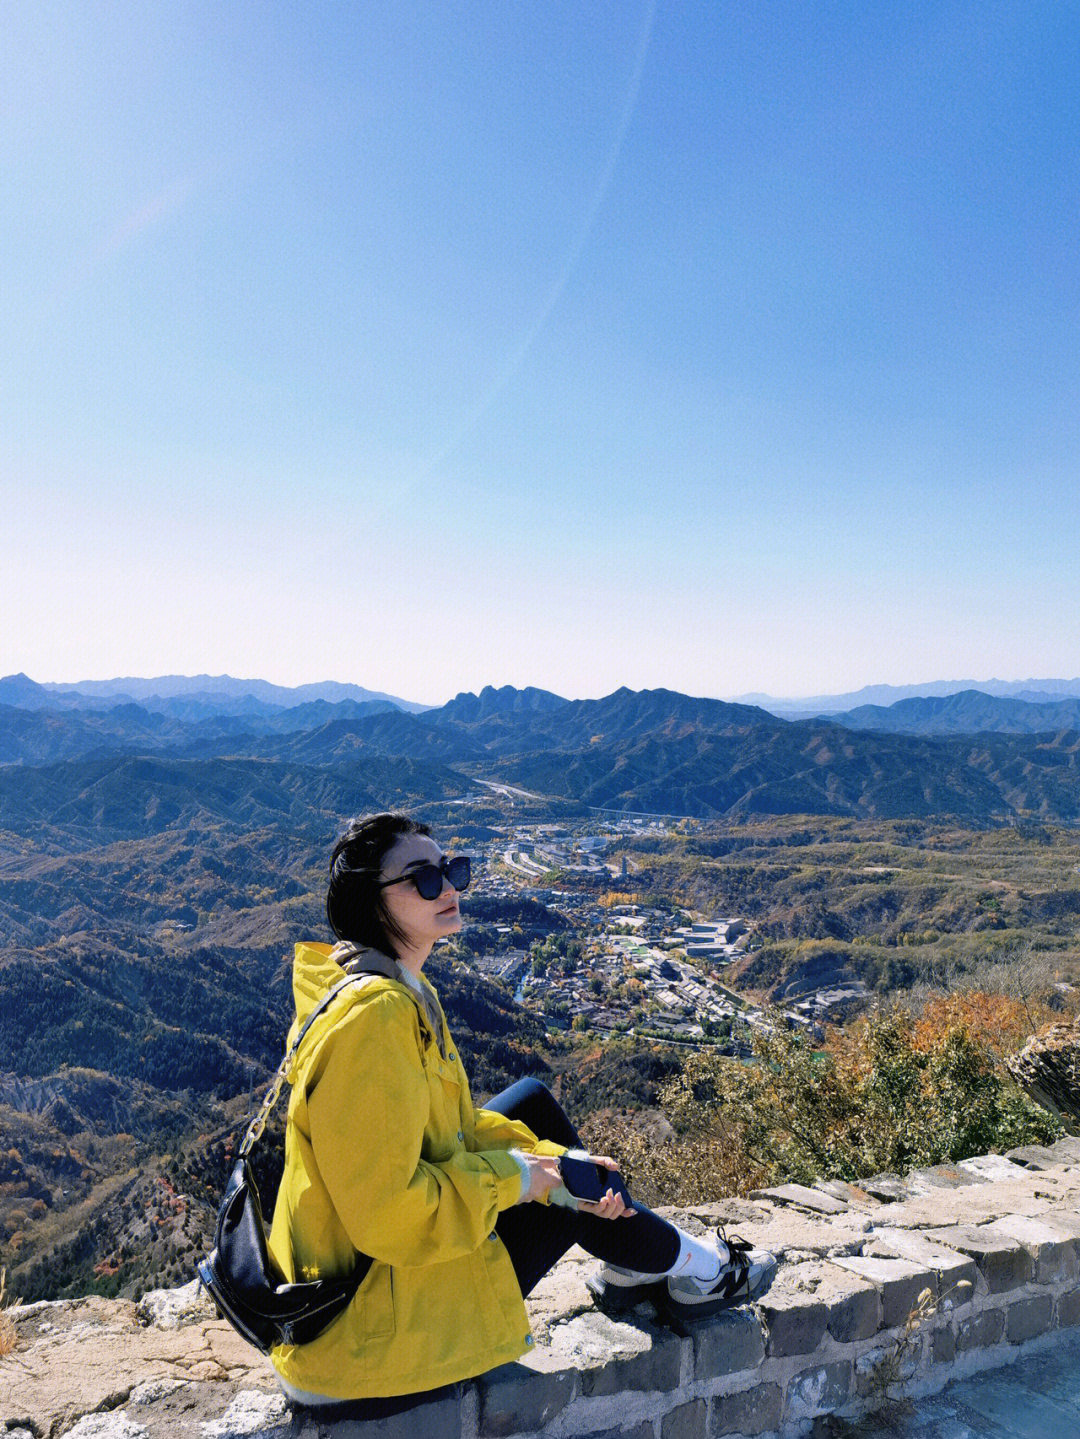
[318, 968]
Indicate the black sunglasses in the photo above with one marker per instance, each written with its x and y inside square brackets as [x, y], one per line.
[428, 878]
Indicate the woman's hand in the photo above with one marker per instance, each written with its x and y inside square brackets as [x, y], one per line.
[544, 1176]
[612, 1206]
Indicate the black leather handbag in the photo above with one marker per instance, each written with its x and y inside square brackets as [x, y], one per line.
[239, 1273]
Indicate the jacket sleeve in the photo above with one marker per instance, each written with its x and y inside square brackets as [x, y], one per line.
[492, 1130]
[368, 1103]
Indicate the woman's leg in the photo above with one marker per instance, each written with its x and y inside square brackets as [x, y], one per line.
[537, 1235]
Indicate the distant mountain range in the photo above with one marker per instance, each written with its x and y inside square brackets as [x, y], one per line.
[972, 756]
[802, 707]
[968, 712]
[189, 695]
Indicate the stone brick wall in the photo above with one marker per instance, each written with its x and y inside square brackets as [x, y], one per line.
[885, 1290]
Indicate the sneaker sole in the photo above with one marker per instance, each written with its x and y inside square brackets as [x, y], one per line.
[679, 1314]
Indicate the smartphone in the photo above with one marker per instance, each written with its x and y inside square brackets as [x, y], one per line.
[585, 1179]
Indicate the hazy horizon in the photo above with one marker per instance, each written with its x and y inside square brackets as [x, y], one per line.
[927, 688]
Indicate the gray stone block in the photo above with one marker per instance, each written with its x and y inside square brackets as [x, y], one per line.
[803, 1196]
[943, 1345]
[687, 1421]
[795, 1322]
[514, 1398]
[818, 1390]
[1068, 1309]
[729, 1343]
[1029, 1317]
[854, 1310]
[886, 1187]
[942, 1176]
[980, 1331]
[951, 1267]
[851, 1194]
[898, 1281]
[756, 1410]
[992, 1167]
[1003, 1262]
[1035, 1156]
[1065, 1220]
[1050, 1245]
[655, 1367]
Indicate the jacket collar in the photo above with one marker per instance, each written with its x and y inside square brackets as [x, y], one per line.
[355, 959]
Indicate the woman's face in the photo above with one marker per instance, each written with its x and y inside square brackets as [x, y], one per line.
[422, 920]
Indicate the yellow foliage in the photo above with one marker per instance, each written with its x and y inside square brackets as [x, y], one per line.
[679, 1170]
[1004, 1024]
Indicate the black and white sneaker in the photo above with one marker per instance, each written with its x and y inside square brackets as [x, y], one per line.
[745, 1277]
[616, 1290]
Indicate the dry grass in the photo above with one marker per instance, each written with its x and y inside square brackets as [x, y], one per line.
[8, 1335]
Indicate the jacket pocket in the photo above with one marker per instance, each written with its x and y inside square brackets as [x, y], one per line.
[445, 1130]
[375, 1300]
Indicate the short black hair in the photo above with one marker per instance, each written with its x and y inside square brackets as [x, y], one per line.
[354, 901]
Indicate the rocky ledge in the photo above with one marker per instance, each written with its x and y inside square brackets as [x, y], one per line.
[886, 1290]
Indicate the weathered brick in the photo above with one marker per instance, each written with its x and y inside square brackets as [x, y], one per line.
[1034, 1156]
[1067, 1149]
[656, 1367]
[941, 1176]
[513, 1398]
[1050, 1245]
[1029, 1317]
[943, 1345]
[795, 1322]
[992, 1167]
[686, 1421]
[1067, 1220]
[951, 1267]
[849, 1193]
[980, 1331]
[886, 1187]
[1003, 1262]
[854, 1310]
[876, 1370]
[897, 1281]
[732, 1341]
[1068, 1309]
[756, 1410]
[818, 1390]
[803, 1196]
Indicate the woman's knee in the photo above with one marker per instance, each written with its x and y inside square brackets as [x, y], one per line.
[532, 1102]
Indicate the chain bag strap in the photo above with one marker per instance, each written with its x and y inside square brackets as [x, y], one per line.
[239, 1273]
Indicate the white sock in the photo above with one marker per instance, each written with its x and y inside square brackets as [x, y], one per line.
[699, 1258]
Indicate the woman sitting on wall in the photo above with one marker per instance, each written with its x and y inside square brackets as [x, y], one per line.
[386, 1155]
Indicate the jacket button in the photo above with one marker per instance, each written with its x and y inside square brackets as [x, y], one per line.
[493, 1236]
[461, 1134]
[528, 1339]
[452, 1058]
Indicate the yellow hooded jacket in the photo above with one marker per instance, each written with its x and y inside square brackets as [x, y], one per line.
[385, 1154]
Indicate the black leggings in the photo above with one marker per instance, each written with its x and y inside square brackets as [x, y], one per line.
[538, 1235]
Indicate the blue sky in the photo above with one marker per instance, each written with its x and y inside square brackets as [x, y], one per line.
[726, 347]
